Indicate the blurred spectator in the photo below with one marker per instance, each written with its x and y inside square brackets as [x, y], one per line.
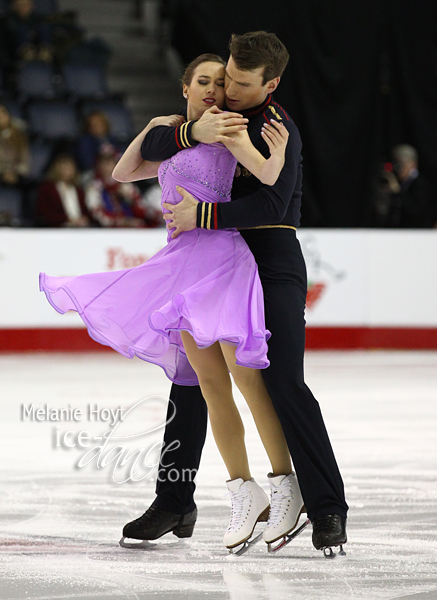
[115, 204]
[95, 140]
[403, 198]
[60, 201]
[410, 192]
[28, 34]
[14, 150]
[152, 199]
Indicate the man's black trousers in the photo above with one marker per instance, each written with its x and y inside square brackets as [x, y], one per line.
[283, 275]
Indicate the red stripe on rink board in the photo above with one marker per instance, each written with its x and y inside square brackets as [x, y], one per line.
[50, 340]
[344, 338]
[317, 338]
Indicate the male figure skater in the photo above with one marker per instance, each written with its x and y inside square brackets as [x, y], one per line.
[267, 218]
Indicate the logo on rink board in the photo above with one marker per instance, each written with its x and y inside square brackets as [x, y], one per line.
[321, 274]
[117, 259]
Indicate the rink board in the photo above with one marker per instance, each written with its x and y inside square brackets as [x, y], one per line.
[365, 288]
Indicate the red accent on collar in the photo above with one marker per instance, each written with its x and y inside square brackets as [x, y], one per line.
[280, 107]
[251, 112]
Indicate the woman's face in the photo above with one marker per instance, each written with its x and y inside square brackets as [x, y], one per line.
[206, 89]
[4, 117]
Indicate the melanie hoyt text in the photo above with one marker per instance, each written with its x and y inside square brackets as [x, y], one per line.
[92, 412]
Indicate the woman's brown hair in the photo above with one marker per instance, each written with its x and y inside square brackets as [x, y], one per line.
[189, 71]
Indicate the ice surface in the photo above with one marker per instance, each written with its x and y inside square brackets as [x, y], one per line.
[60, 524]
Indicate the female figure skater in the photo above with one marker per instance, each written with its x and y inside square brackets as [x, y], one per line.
[196, 308]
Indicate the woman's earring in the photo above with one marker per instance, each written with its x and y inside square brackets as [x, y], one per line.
[185, 96]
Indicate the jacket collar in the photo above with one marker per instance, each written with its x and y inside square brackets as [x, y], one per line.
[255, 110]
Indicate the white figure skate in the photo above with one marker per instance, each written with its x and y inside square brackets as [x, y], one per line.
[286, 506]
[250, 504]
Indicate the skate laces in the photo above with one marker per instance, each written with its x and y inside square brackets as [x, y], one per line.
[152, 515]
[324, 523]
[281, 496]
[238, 507]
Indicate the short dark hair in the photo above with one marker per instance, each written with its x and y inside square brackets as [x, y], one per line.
[189, 71]
[259, 49]
[52, 173]
[97, 113]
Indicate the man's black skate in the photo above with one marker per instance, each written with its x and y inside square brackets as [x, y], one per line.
[155, 523]
[329, 531]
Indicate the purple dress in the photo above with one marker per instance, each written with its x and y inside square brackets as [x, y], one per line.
[203, 281]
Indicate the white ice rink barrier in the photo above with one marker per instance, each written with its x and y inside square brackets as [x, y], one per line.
[366, 288]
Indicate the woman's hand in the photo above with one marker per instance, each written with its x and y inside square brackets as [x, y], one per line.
[216, 125]
[276, 137]
[266, 170]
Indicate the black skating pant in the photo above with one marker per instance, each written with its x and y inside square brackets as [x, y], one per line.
[283, 275]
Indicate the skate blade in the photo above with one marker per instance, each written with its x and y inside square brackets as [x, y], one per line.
[330, 554]
[245, 546]
[289, 537]
[140, 545]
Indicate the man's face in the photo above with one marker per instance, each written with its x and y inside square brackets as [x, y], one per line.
[245, 89]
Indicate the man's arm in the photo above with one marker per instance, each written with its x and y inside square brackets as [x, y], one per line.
[267, 206]
[161, 143]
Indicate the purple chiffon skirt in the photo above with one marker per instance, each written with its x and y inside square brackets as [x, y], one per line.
[204, 282]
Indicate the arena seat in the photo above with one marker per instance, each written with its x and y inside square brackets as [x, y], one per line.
[91, 52]
[46, 7]
[40, 154]
[10, 206]
[52, 120]
[36, 80]
[13, 107]
[85, 81]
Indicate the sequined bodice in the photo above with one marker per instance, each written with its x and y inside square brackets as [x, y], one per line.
[206, 171]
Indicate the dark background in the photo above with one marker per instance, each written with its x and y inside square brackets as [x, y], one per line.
[362, 77]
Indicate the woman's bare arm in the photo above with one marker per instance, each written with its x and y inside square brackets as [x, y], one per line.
[266, 170]
[131, 166]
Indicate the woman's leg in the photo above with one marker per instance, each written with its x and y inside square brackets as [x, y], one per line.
[251, 384]
[226, 423]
